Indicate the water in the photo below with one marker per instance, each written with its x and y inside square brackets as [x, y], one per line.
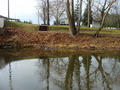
[59, 70]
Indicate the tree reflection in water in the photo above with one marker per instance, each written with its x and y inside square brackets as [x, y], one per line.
[10, 76]
[85, 72]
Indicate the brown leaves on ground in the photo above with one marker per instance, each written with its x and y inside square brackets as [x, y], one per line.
[59, 40]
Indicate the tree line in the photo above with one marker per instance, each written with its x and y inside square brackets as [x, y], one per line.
[76, 12]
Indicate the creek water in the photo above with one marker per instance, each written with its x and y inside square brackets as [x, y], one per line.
[50, 70]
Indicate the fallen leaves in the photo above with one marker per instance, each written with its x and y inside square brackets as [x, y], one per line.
[59, 40]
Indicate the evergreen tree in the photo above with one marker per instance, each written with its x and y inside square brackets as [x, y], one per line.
[76, 11]
[85, 17]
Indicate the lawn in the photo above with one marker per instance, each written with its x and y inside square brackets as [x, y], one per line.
[59, 28]
[24, 26]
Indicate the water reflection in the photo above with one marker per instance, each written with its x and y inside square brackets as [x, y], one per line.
[10, 76]
[71, 72]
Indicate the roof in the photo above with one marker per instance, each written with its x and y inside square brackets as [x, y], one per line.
[3, 16]
[7, 18]
[63, 19]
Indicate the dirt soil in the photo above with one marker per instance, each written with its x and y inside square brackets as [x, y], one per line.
[52, 40]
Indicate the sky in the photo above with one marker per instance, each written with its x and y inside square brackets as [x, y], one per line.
[24, 10]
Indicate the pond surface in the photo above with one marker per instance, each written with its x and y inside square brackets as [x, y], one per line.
[49, 70]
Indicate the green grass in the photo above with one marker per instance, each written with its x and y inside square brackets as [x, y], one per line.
[24, 26]
[59, 28]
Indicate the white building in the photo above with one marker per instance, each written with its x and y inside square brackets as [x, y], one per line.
[1, 22]
[2, 18]
[64, 21]
[95, 24]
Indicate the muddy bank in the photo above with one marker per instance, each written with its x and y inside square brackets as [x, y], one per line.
[17, 38]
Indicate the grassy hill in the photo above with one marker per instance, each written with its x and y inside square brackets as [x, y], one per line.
[24, 26]
[60, 28]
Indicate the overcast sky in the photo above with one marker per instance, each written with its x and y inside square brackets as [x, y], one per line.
[20, 9]
[24, 10]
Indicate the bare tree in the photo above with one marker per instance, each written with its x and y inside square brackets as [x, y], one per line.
[103, 10]
[57, 9]
[42, 7]
[70, 16]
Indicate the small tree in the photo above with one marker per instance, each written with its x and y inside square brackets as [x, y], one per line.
[104, 9]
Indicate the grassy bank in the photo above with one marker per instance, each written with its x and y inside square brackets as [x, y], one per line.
[24, 26]
[59, 28]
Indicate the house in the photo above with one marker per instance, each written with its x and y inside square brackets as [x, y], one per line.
[5, 18]
[95, 24]
[2, 18]
[1, 22]
[64, 21]
[11, 19]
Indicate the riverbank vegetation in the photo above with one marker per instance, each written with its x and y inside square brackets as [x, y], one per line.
[22, 35]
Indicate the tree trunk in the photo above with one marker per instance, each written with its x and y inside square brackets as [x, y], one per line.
[57, 22]
[88, 24]
[70, 16]
[48, 12]
[97, 32]
[69, 72]
[44, 13]
[79, 19]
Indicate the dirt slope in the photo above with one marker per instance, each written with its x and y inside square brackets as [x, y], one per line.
[20, 38]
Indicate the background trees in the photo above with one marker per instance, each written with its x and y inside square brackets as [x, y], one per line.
[57, 9]
[117, 13]
[95, 9]
[51, 9]
[42, 8]
[112, 20]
